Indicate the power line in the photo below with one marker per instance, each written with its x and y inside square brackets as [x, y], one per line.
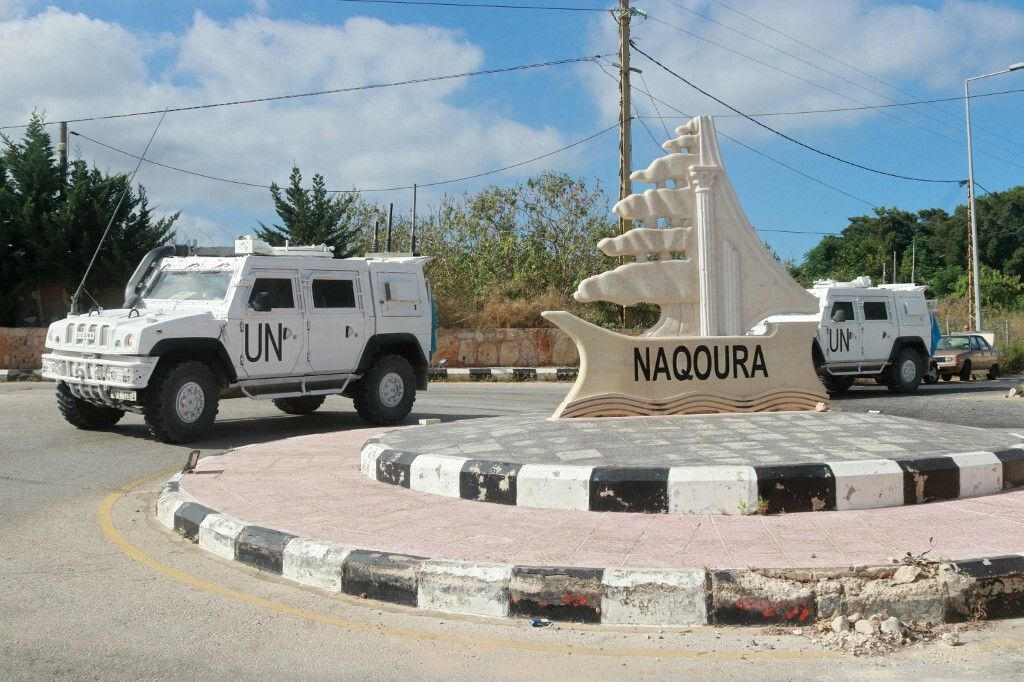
[771, 158]
[478, 5]
[352, 191]
[848, 65]
[807, 62]
[868, 106]
[823, 87]
[784, 135]
[335, 91]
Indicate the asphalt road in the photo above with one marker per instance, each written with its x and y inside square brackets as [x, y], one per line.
[90, 587]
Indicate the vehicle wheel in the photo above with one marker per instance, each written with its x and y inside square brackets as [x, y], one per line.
[965, 373]
[386, 393]
[947, 377]
[85, 415]
[905, 373]
[306, 404]
[993, 372]
[181, 402]
[932, 375]
[836, 384]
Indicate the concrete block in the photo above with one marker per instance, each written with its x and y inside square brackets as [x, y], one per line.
[981, 473]
[317, 563]
[698, 490]
[472, 588]
[564, 594]
[262, 548]
[382, 576]
[217, 535]
[869, 484]
[436, 474]
[188, 518]
[167, 505]
[748, 598]
[655, 597]
[368, 458]
[551, 486]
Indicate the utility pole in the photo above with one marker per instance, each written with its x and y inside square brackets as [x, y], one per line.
[391, 215]
[625, 119]
[62, 153]
[413, 249]
[970, 258]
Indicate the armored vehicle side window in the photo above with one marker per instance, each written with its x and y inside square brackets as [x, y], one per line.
[333, 293]
[875, 310]
[280, 290]
[847, 309]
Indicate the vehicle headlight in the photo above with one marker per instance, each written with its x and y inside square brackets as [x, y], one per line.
[99, 372]
[55, 336]
[129, 340]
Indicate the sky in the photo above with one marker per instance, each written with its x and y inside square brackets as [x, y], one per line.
[77, 59]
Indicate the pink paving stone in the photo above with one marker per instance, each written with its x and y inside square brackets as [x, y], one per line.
[311, 486]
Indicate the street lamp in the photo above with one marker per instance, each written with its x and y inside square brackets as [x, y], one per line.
[975, 269]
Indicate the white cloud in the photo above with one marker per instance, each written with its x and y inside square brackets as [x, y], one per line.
[73, 66]
[898, 43]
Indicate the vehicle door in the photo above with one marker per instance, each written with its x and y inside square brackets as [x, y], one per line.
[981, 353]
[273, 327]
[840, 334]
[336, 324]
[878, 328]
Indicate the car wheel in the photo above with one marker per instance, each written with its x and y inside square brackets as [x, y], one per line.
[965, 372]
[836, 384]
[993, 372]
[181, 402]
[386, 393]
[947, 377]
[932, 375]
[905, 373]
[85, 415]
[306, 404]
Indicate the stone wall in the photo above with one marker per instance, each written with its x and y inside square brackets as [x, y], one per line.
[505, 348]
[20, 347]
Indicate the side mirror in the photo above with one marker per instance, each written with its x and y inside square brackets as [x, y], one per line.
[260, 301]
[839, 316]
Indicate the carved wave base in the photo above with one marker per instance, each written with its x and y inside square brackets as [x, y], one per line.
[623, 376]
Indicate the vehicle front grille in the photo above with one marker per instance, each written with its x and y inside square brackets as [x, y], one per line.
[88, 335]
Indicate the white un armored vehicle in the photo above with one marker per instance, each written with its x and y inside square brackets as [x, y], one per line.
[287, 324]
[883, 332]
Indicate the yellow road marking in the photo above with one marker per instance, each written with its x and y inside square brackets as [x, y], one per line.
[104, 516]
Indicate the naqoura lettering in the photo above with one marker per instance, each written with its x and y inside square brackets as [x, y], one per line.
[266, 342]
[702, 363]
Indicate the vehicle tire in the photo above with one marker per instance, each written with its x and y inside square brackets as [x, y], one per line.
[85, 415]
[386, 392]
[993, 372]
[836, 384]
[905, 373]
[181, 401]
[306, 404]
[965, 372]
[947, 377]
[932, 375]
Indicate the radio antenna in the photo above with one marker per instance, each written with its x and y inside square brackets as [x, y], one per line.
[127, 186]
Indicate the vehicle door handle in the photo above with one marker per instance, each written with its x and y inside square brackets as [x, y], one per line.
[885, 335]
[287, 334]
[349, 331]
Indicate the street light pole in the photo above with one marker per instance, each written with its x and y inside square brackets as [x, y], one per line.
[972, 206]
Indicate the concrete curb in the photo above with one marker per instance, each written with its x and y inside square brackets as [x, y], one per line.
[781, 488]
[16, 374]
[937, 592]
[506, 373]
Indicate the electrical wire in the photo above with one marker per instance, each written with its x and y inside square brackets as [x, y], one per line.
[784, 136]
[800, 59]
[826, 89]
[799, 172]
[353, 191]
[335, 91]
[849, 66]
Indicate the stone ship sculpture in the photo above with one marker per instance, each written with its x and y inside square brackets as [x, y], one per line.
[713, 279]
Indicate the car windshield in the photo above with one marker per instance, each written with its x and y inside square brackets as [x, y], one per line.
[955, 343]
[181, 285]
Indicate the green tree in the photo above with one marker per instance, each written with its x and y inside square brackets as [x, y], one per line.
[998, 290]
[312, 216]
[50, 226]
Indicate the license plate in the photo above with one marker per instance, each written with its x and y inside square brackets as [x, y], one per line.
[122, 394]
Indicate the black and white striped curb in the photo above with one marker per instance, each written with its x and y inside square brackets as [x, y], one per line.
[992, 587]
[17, 374]
[769, 489]
[506, 373]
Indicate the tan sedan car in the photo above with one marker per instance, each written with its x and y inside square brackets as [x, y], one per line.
[963, 355]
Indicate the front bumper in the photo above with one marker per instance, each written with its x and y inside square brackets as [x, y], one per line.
[95, 377]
